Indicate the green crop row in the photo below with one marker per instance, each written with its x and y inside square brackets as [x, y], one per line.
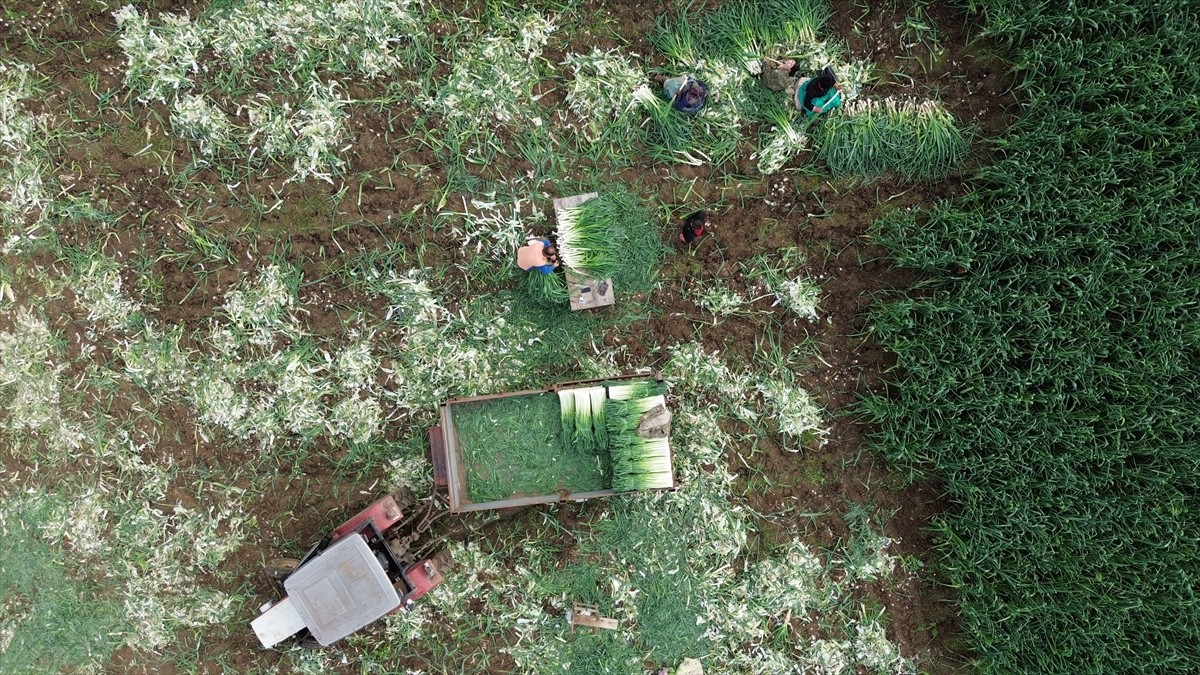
[1050, 377]
[920, 141]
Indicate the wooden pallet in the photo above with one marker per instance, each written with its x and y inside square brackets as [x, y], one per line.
[589, 615]
[586, 293]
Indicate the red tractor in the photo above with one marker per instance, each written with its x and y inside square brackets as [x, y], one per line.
[370, 566]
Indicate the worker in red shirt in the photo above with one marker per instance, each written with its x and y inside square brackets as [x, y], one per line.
[693, 227]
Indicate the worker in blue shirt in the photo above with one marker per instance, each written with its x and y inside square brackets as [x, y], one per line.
[538, 254]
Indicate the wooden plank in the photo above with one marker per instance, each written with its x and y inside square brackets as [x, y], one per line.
[597, 622]
[514, 502]
[571, 202]
[589, 615]
[437, 453]
[455, 475]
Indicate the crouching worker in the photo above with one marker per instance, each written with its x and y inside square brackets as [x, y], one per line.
[818, 95]
[779, 75]
[538, 254]
[693, 227]
[687, 94]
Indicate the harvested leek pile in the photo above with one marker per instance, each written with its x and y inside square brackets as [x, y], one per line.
[611, 236]
[637, 463]
[921, 141]
[587, 235]
[606, 423]
[511, 447]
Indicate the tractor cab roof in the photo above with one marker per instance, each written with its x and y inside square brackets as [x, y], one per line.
[342, 590]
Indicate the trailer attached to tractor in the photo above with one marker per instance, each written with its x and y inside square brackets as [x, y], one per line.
[488, 452]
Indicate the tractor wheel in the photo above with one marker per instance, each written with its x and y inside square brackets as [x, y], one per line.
[308, 641]
[281, 568]
[444, 561]
[405, 499]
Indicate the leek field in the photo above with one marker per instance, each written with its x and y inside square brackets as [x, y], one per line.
[932, 367]
[1047, 372]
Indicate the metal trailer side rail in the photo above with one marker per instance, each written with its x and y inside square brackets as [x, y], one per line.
[455, 477]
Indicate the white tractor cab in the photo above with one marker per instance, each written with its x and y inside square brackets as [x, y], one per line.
[353, 577]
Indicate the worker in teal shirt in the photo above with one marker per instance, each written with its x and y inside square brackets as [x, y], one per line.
[820, 94]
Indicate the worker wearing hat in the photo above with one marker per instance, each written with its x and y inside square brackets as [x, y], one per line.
[687, 94]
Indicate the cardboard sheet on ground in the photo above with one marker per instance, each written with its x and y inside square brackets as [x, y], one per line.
[589, 293]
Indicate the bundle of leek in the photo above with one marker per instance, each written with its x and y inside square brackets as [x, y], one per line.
[587, 410]
[636, 389]
[566, 400]
[582, 438]
[622, 418]
[545, 289]
[643, 464]
[599, 433]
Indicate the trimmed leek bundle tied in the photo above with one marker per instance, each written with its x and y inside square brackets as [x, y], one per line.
[566, 400]
[638, 389]
[644, 464]
[599, 433]
[582, 438]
